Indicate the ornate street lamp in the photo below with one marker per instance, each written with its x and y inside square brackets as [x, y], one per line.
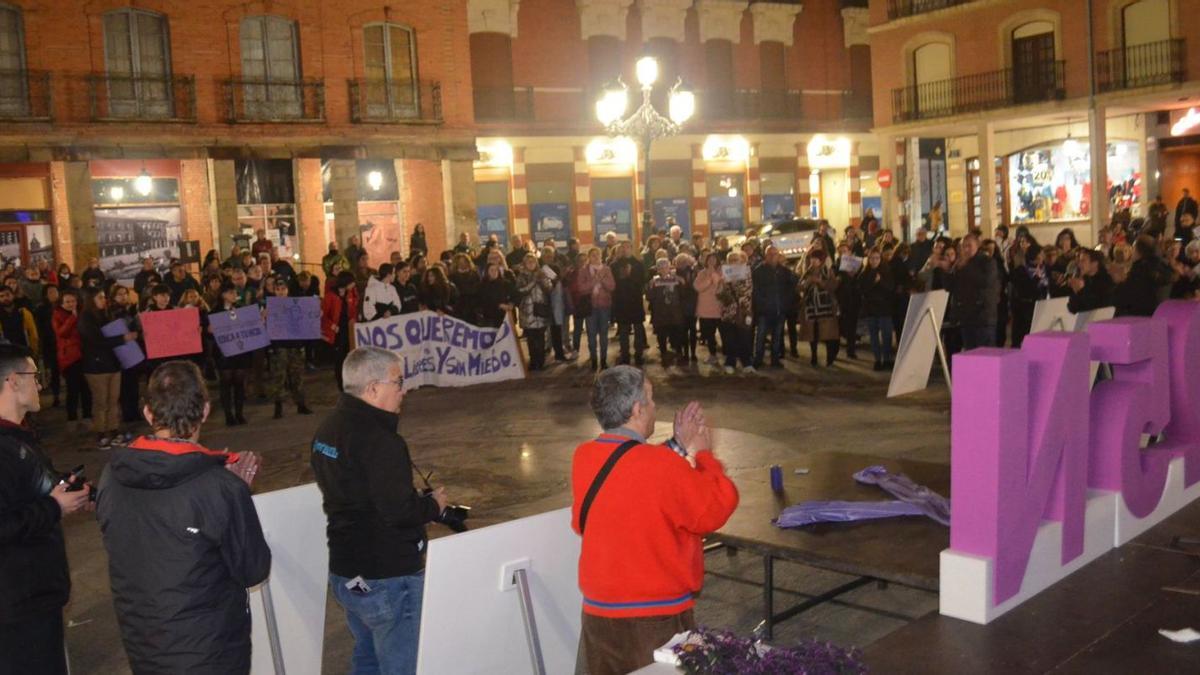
[646, 123]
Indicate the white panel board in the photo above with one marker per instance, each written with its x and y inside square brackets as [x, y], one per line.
[918, 343]
[294, 525]
[469, 625]
[1051, 314]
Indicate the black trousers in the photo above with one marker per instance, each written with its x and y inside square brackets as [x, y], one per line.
[54, 376]
[233, 391]
[33, 645]
[848, 325]
[556, 341]
[130, 395]
[535, 341]
[639, 339]
[708, 334]
[79, 397]
[689, 338]
[339, 349]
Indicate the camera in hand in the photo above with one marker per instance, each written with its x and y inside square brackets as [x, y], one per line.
[454, 516]
[76, 481]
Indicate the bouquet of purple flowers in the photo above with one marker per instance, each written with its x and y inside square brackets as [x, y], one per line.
[707, 652]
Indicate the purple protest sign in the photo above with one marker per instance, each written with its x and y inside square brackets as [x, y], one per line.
[239, 331]
[294, 318]
[128, 353]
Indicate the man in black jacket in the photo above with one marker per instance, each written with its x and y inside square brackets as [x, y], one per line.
[34, 581]
[1187, 206]
[376, 519]
[628, 310]
[774, 292]
[1093, 288]
[974, 286]
[183, 538]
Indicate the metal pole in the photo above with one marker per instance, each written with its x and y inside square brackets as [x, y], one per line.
[647, 214]
[531, 632]
[941, 349]
[272, 629]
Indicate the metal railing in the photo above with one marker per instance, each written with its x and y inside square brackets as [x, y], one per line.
[138, 98]
[898, 9]
[395, 101]
[1141, 66]
[252, 100]
[750, 104]
[501, 104]
[25, 96]
[975, 93]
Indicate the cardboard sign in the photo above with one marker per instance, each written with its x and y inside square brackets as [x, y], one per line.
[129, 353]
[294, 318]
[239, 331]
[735, 272]
[171, 332]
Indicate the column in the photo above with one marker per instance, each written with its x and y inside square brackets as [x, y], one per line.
[854, 179]
[194, 196]
[310, 214]
[343, 186]
[663, 18]
[721, 19]
[78, 182]
[753, 187]
[60, 214]
[855, 21]
[223, 196]
[583, 199]
[912, 163]
[458, 198]
[803, 173]
[988, 218]
[640, 200]
[602, 18]
[1098, 147]
[520, 195]
[774, 21]
[699, 193]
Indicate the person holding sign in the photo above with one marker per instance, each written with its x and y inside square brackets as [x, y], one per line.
[231, 370]
[737, 312]
[286, 362]
[101, 367]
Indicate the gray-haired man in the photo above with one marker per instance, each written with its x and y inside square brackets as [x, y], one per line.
[376, 518]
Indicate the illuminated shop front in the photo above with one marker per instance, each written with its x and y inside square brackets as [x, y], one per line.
[1052, 182]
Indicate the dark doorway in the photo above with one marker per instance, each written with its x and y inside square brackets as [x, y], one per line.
[1034, 76]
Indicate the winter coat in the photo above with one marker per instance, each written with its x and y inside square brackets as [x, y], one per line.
[815, 325]
[737, 302]
[1027, 286]
[18, 327]
[380, 298]
[98, 354]
[438, 298]
[596, 284]
[68, 344]
[1096, 293]
[492, 294]
[43, 318]
[467, 307]
[1143, 288]
[774, 290]
[627, 297]
[331, 311]
[707, 284]
[666, 303]
[975, 291]
[236, 362]
[688, 297]
[533, 289]
[875, 286]
[184, 543]
[33, 558]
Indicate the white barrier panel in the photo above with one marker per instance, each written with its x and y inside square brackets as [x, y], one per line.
[294, 525]
[1051, 314]
[920, 341]
[469, 625]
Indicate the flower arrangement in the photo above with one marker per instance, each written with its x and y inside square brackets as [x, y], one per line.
[707, 652]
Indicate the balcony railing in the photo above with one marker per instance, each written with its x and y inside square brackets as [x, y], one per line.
[749, 104]
[25, 96]
[975, 93]
[142, 98]
[248, 100]
[1141, 66]
[898, 9]
[500, 104]
[395, 102]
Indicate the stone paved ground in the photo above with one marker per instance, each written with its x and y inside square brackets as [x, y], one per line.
[505, 450]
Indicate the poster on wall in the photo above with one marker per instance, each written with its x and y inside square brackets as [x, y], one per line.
[10, 247]
[278, 220]
[778, 208]
[550, 221]
[41, 243]
[379, 230]
[493, 220]
[932, 167]
[612, 215]
[726, 215]
[872, 206]
[126, 236]
[677, 208]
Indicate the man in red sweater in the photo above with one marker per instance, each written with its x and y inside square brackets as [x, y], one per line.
[642, 523]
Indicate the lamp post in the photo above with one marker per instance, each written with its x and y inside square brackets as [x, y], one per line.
[646, 123]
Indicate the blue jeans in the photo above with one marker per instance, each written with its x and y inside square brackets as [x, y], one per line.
[772, 323]
[597, 328]
[880, 330]
[385, 623]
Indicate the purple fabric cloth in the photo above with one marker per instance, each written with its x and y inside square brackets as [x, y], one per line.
[911, 500]
[903, 488]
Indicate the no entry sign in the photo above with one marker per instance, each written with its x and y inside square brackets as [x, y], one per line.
[884, 178]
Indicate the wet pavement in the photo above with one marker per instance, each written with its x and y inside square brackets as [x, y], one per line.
[505, 449]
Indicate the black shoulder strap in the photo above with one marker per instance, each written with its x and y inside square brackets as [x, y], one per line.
[600, 478]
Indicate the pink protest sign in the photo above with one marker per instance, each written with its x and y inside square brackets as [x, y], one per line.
[172, 332]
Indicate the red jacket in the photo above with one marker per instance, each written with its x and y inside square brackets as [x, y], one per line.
[642, 553]
[67, 341]
[331, 311]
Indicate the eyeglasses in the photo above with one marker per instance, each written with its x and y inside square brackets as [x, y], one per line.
[399, 382]
[37, 375]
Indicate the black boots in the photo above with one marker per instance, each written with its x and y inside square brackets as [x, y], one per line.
[303, 409]
[278, 410]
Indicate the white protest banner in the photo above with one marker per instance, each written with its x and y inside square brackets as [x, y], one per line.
[735, 272]
[445, 352]
[849, 263]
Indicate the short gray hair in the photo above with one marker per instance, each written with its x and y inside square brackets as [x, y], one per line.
[615, 392]
[366, 365]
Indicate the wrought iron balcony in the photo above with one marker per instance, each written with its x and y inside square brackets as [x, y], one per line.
[25, 96]
[142, 98]
[500, 104]
[255, 100]
[976, 93]
[395, 102]
[749, 104]
[898, 9]
[1141, 66]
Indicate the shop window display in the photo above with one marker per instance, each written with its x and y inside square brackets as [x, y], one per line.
[1053, 182]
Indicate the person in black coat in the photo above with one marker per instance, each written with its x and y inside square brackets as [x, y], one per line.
[1093, 287]
[1144, 287]
[627, 309]
[1187, 206]
[876, 287]
[774, 293]
[903, 281]
[35, 583]
[101, 368]
[183, 537]
[417, 241]
[975, 294]
[1028, 283]
[497, 296]
[43, 316]
[849, 302]
[231, 370]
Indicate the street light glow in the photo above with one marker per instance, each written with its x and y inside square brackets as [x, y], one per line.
[144, 184]
[682, 106]
[647, 71]
[612, 105]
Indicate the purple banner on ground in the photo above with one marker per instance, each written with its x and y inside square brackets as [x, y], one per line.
[294, 318]
[129, 353]
[239, 331]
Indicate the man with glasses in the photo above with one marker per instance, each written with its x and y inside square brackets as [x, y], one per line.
[34, 580]
[376, 527]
